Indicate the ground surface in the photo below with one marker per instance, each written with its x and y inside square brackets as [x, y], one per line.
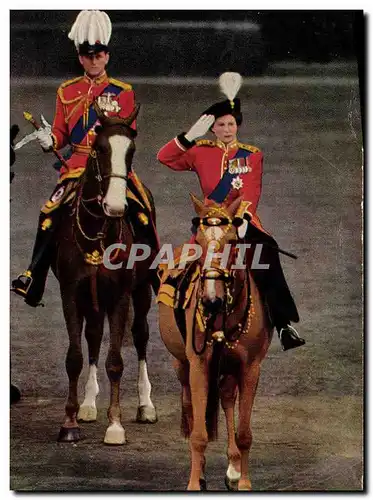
[307, 421]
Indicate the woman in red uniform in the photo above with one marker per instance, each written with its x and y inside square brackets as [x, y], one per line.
[227, 168]
[74, 123]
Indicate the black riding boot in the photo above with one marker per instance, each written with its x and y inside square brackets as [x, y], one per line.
[275, 291]
[31, 283]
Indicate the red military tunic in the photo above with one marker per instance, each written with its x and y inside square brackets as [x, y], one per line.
[74, 98]
[210, 159]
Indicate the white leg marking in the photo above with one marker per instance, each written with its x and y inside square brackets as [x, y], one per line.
[232, 474]
[115, 434]
[144, 385]
[87, 410]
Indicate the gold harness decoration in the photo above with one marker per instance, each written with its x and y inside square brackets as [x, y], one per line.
[213, 218]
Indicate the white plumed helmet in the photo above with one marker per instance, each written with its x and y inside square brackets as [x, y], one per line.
[91, 32]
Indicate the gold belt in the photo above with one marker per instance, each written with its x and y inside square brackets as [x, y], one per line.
[82, 150]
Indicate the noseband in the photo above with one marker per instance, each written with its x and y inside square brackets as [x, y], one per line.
[99, 176]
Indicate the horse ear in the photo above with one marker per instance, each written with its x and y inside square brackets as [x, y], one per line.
[233, 207]
[198, 205]
[128, 121]
[101, 115]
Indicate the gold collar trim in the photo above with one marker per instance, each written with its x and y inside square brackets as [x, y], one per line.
[96, 81]
[226, 147]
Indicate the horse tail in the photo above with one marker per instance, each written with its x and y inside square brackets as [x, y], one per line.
[213, 396]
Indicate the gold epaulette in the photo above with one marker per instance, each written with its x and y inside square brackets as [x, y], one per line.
[63, 86]
[205, 142]
[122, 85]
[69, 82]
[253, 149]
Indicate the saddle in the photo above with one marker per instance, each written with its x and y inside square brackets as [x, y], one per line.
[65, 191]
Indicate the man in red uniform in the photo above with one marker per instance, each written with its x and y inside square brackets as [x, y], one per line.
[226, 169]
[74, 124]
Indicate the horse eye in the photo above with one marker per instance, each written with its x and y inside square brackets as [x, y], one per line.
[237, 221]
[100, 148]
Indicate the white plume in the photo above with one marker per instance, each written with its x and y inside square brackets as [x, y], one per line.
[230, 83]
[91, 25]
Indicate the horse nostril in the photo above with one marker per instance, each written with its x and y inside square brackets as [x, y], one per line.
[212, 305]
[110, 212]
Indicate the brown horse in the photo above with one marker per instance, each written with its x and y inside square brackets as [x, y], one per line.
[228, 334]
[91, 291]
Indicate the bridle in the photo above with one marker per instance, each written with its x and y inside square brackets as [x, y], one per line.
[98, 199]
[226, 276]
[101, 177]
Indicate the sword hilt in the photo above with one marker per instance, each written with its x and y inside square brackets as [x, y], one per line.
[28, 116]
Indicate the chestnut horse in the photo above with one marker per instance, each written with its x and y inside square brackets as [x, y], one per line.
[91, 291]
[228, 333]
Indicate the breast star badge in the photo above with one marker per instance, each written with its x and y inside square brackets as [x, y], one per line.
[237, 182]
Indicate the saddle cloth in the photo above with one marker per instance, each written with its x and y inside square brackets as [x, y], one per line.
[67, 188]
[176, 289]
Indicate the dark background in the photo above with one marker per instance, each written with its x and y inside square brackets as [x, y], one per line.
[180, 43]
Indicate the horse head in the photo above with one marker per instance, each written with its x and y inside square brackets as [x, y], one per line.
[110, 161]
[216, 232]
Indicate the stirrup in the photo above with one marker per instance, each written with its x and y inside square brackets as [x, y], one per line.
[290, 338]
[21, 287]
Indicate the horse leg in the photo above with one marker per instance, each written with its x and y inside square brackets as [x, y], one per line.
[198, 379]
[115, 433]
[94, 329]
[228, 395]
[182, 372]
[141, 299]
[248, 384]
[74, 363]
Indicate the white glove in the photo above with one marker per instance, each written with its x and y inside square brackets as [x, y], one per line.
[200, 128]
[241, 230]
[44, 136]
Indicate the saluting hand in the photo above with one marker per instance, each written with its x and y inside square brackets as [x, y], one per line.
[200, 128]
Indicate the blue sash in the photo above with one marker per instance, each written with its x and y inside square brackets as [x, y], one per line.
[224, 186]
[79, 132]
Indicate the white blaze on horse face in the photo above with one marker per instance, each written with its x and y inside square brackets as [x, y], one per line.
[211, 289]
[212, 233]
[115, 200]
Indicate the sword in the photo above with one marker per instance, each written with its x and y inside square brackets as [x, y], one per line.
[31, 137]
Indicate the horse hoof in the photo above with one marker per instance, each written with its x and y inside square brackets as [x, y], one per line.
[69, 435]
[146, 415]
[87, 414]
[231, 484]
[244, 485]
[115, 435]
[15, 394]
[202, 484]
